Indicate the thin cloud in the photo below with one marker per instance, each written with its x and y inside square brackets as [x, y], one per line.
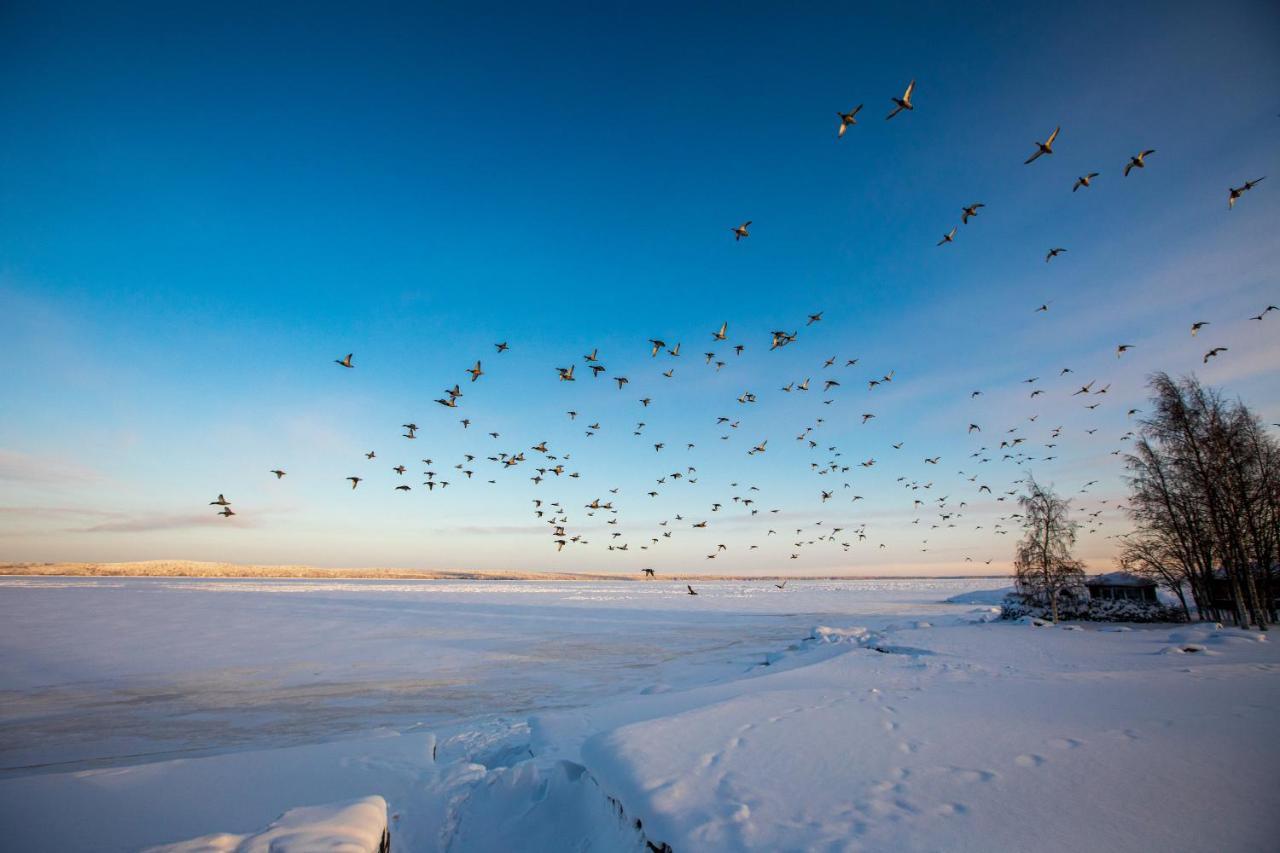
[497, 530]
[151, 523]
[26, 468]
[55, 512]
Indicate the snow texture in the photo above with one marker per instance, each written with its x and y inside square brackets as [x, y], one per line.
[353, 827]
[623, 717]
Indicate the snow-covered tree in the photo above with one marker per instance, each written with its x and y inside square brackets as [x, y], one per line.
[1043, 564]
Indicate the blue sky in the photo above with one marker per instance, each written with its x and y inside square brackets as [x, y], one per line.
[201, 208]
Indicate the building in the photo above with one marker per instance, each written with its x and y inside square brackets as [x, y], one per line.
[1121, 586]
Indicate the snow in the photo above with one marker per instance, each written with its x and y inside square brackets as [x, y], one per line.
[610, 716]
[1120, 579]
[350, 827]
[981, 596]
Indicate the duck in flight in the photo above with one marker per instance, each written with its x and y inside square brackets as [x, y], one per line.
[741, 231]
[1045, 147]
[279, 473]
[1053, 253]
[847, 119]
[969, 212]
[345, 362]
[949, 237]
[1083, 180]
[1138, 161]
[221, 501]
[690, 588]
[1234, 194]
[903, 103]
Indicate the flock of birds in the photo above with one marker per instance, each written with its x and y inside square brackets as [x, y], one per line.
[1014, 444]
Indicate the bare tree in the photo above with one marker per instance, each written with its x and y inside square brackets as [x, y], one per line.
[1205, 482]
[1157, 558]
[1043, 564]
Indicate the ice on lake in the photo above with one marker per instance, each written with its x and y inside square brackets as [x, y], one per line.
[853, 715]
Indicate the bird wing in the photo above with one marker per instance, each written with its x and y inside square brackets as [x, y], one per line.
[911, 87]
[1052, 136]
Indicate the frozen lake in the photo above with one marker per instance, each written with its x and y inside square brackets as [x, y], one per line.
[606, 716]
[98, 672]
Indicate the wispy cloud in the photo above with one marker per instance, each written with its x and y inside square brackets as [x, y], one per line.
[26, 468]
[495, 530]
[154, 522]
[55, 512]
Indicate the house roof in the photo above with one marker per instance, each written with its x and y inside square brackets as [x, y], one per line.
[1119, 579]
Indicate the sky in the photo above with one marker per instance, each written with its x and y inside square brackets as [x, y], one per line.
[203, 205]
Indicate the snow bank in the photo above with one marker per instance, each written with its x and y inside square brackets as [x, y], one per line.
[358, 826]
[532, 807]
[825, 634]
[884, 752]
[980, 596]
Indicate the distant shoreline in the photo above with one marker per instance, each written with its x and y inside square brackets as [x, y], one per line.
[194, 569]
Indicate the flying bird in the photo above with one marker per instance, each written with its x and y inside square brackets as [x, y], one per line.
[969, 212]
[1213, 353]
[949, 237]
[1138, 161]
[1083, 180]
[1234, 193]
[279, 474]
[1045, 147]
[1053, 253]
[847, 119]
[345, 362]
[741, 231]
[903, 103]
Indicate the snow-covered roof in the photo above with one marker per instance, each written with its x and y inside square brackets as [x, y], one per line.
[1119, 579]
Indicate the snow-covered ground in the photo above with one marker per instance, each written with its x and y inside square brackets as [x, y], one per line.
[870, 715]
